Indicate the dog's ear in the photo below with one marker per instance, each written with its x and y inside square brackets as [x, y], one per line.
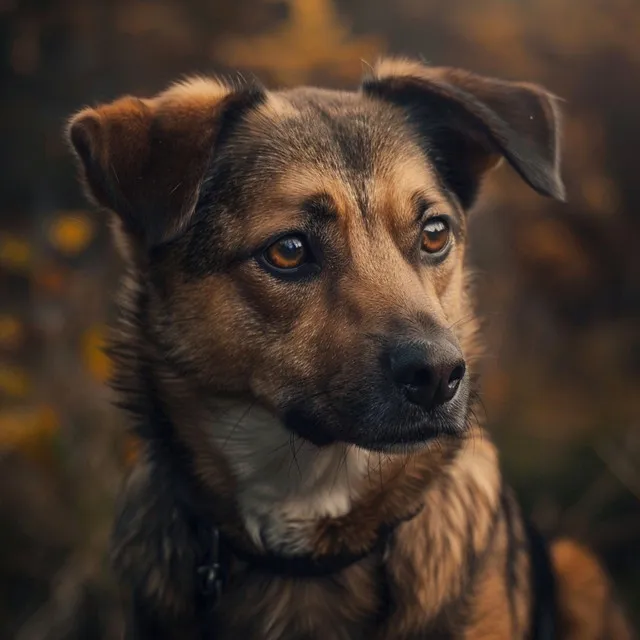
[145, 159]
[469, 122]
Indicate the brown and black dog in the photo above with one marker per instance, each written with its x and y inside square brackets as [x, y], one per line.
[296, 346]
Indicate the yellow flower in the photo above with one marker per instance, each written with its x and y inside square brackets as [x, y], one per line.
[71, 233]
[15, 252]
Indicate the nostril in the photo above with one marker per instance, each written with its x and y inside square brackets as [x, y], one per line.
[453, 382]
[455, 377]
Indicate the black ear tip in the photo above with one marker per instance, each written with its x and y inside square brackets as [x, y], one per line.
[548, 186]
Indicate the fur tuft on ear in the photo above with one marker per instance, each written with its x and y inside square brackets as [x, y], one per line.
[144, 159]
[468, 122]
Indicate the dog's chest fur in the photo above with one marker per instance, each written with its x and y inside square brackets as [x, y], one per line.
[426, 581]
[284, 484]
[422, 583]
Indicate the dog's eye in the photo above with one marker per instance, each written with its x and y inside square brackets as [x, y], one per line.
[287, 253]
[435, 235]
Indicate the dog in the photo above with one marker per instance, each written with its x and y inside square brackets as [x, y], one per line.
[298, 350]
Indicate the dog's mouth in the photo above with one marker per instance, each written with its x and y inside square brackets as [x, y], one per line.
[389, 437]
[404, 440]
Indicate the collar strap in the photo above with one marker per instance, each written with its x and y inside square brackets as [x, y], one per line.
[308, 565]
[213, 572]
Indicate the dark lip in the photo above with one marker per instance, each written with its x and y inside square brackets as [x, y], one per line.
[297, 422]
[420, 434]
[412, 431]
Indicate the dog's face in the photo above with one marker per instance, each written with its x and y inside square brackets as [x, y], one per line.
[305, 248]
[325, 272]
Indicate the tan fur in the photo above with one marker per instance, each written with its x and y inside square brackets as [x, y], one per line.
[588, 611]
[466, 494]
[215, 354]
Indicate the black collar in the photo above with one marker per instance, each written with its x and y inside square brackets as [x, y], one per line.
[213, 570]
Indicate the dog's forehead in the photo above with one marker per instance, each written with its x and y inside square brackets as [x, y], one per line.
[343, 131]
[305, 141]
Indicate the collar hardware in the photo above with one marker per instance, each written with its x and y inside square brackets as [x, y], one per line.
[211, 576]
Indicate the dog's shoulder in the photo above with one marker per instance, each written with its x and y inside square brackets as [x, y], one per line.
[588, 603]
[153, 548]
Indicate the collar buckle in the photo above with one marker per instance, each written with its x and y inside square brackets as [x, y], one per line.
[211, 574]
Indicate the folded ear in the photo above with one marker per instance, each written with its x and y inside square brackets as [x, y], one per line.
[145, 159]
[468, 122]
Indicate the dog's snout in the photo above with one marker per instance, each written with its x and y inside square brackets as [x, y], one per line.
[429, 374]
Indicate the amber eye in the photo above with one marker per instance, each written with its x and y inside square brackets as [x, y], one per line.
[289, 252]
[435, 235]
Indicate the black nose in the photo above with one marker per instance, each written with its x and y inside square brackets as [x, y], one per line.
[429, 373]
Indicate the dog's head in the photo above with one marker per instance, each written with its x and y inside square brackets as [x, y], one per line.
[305, 248]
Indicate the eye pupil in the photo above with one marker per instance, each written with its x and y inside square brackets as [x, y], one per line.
[287, 253]
[291, 247]
[435, 236]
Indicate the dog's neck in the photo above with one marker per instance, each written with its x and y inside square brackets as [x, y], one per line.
[285, 484]
[441, 505]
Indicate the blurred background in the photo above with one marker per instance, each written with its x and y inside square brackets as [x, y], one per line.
[559, 285]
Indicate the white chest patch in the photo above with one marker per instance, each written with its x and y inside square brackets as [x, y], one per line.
[285, 483]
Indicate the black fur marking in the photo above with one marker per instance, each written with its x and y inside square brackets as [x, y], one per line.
[220, 192]
[446, 148]
[544, 613]
[143, 622]
[511, 556]
[352, 136]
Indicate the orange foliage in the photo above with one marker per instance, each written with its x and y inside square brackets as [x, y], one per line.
[313, 38]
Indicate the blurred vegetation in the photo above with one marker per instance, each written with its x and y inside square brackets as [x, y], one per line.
[559, 285]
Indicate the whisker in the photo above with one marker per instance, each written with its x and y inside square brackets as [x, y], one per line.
[341, 462]
[236, 425]
[297, 452]
[462, 321]
[346, 468]
[294, 455]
